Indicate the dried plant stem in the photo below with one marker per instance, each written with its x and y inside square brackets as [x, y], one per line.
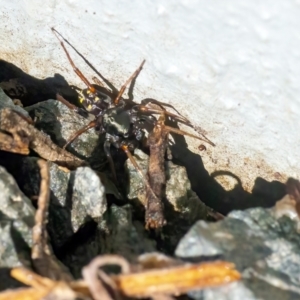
[44, 262]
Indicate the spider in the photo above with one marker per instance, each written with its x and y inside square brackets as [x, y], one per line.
[123, 121]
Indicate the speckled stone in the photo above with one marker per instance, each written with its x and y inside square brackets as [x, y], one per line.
[265, 250]
[16, 222]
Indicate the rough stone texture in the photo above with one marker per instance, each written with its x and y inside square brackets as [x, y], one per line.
[58, 121]
[16, 222]
[124, 236]
[5, 101]
[115, 234]
[179, 195]
[76, 197]
[88, 196]
[264, 249]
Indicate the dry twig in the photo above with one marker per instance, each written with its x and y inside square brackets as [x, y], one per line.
[154, 283]
[157, 141]
[44, 262]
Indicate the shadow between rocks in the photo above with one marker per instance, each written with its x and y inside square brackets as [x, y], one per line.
[264, 193]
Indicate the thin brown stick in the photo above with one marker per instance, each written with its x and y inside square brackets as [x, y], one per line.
[157, 141]
[44, 262]
[39, 229]
[177, 280]
[30, 278]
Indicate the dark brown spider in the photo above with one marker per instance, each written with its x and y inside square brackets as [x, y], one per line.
[124, 123]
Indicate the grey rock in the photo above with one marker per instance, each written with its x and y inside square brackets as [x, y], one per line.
[124, 236]
[88, 196]
[16, 222]
[265, 250]
[115, 234]
[76, 197]
[60, 123]
[6, 102]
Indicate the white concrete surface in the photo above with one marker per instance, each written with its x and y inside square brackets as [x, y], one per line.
[232, 67]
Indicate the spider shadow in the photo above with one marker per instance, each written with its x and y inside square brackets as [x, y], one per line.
[264, 193]
[30, 90]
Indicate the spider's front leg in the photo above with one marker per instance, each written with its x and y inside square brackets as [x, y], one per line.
[71, 106]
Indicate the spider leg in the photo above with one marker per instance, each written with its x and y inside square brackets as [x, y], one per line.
[136, 72]
[161, 105]
[97, 81]
[79, 132]
[166, 113]
[71, 106]
[76, 70]
[177, 118]
[106, 147]
[181, 119]
[135, 164]
[182, 132]
[111, 87]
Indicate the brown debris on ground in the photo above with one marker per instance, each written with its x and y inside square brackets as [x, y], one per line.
[149, 283]
[14, 143]
[157, 141]
[43, 260]
[25, 136]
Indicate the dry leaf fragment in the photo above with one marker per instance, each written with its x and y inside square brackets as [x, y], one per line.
[14, 143]
[12, 122]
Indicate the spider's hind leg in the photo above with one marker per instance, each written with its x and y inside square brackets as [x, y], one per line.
[76, 70]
